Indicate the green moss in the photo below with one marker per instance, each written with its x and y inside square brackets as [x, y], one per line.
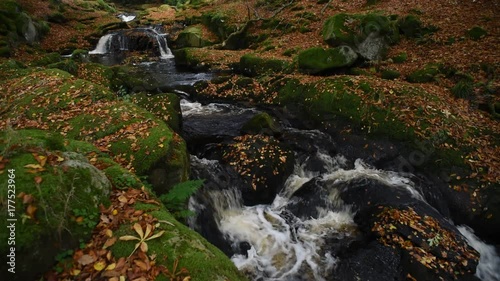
[261, 123]
[351, 29]
[412, 27]
[390, 74]
[426, 74]
[218, 23]
[253, 66]
[182, 244]
[47, 59]
[400, 58]
[318, 60]
[192, 37]
[476, 33]
[121, 178]
[165, 107]
[65, 186]
[464, 89]
[67, 65]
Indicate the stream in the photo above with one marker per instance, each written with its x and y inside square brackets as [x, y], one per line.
[303, 231]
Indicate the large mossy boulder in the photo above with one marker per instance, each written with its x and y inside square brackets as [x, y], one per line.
[318, 60]
[263, 162]
[253, 66]
[424, 75]
[55, 100]
[56, 194]
[164, 106]
[192, 36]
[261, 123]
[368, 34]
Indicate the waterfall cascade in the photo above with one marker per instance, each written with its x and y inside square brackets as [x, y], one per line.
[134, 39]
[287, 240]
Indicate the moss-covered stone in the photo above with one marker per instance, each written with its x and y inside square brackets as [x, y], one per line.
[56, 193]
[352, 29]
[412, 27]
[47, 59]
[82, 110]
[318, 60]
[390, 74]
[424, 75]
[476, 33]
[261, 123]
[252, 66]
[67, 65]
[218, 23]
[187, 57]
[164, 106]
[203, 260]
[400, 58]
[192, 37]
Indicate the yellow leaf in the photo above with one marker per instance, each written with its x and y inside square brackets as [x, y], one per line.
[148, 230]
[138, 229]
[99, 265]
[33, 166]
[156, 235]
[128, 238]
[75, 272]
[115, 212]
[111, 266]
[109, 232]
[161, 145]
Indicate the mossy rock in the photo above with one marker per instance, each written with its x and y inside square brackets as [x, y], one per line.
[263, 162]
[58, 195]
[165, 107]
[390, 74]
[50, 58]
[424, 75]
[192, 37]
[253, 66]
[352, 29]
[476, 33]
[262, 123]
[187, 57]
[412, 27]
[179, 243]
[82, 110]
[12, 69]
[218, 23]
[79, 55]
[318, 60]
[67, 65]
[400, 58]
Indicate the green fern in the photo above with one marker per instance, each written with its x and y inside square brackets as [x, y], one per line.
[175, 200]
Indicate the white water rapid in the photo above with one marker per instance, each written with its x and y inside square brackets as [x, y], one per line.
[488, 268]
[280, 245]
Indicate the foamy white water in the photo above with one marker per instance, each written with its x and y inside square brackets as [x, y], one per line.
[103, 45]
[488, 268]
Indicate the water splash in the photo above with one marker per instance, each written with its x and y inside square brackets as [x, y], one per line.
[488, 268]
[104, 45]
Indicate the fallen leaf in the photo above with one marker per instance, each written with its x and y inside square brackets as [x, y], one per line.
[110, 242]
[86, 259]
[99, 265]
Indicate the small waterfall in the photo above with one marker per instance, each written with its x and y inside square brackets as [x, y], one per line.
[488, 268]
[104, 45]
[126, 17]
[120, 41]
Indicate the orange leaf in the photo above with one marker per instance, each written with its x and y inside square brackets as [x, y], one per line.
[31, 211]
[141, 265]
[110, 242]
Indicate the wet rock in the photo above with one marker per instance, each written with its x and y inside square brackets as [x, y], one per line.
[261, 123]
[427, 245]
[261, 161]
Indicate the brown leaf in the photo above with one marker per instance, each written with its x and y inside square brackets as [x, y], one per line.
[31, 210]
[86, 259]
[142, 265]
[144, 247]
[110, 242]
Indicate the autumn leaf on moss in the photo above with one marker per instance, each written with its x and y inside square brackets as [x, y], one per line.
[143, 237]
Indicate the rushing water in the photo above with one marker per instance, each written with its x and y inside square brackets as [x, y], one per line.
[281, 245]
